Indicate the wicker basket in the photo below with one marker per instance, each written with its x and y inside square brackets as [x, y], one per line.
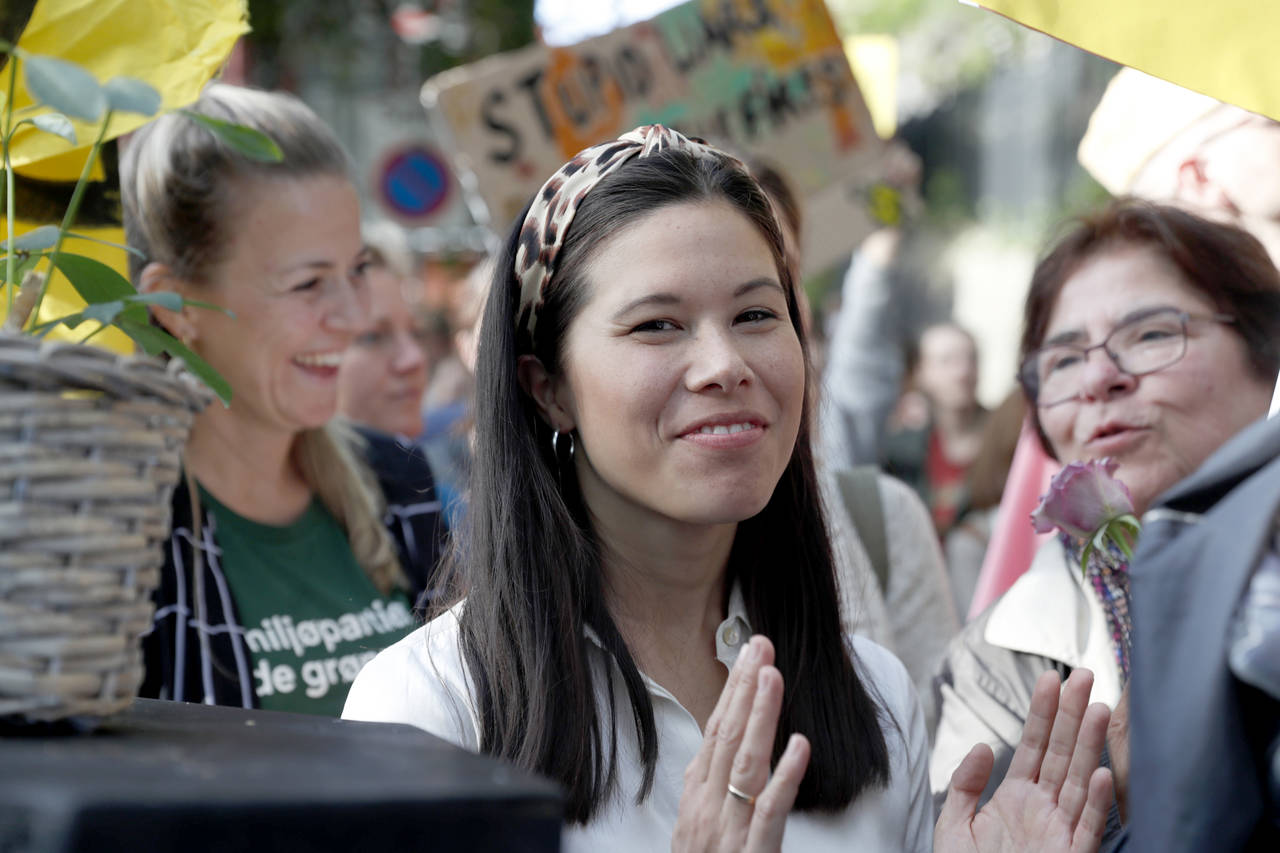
[90, 448]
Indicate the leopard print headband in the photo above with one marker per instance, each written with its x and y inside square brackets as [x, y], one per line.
[542, 234]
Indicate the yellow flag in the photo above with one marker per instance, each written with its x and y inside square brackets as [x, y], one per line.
[1221, 48]
[175, 45]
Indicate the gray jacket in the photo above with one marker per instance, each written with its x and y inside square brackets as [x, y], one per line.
[1202, 742]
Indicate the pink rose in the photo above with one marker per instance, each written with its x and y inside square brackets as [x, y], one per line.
[1083, 498]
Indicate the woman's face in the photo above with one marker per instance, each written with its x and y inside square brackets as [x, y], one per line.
[683, 375]
[948, 370]
[384, 373]
[292, 278]
[1161, 426]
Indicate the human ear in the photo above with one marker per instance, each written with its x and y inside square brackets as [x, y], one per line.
[1196, 188]
[156, 278]
[549, 393]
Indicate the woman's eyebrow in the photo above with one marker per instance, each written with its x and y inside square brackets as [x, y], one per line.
[317, 264]
[755, 283]
[1147, 311]
[674, 299]
[1068, 337]
[1072, 336]
[648, 299]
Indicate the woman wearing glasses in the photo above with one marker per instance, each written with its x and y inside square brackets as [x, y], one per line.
[1151, 337]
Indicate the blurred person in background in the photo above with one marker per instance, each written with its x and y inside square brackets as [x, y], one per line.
[384, 372]
[878, 524]
[1151, 337]
[1155, 140]
[450, 382]
[286, 567]
[449, 431]
[926, 435]
[932, 447]
[965, 544]
[380, 387]
[863, 374]
[443, 317]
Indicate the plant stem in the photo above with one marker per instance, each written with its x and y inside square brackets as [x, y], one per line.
[10, 261]
[101, 328]
[73, 207]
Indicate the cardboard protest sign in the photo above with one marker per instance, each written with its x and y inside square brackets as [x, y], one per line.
[1223, 49]
[766, 78]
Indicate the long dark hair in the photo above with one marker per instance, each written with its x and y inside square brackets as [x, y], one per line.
[530, 563]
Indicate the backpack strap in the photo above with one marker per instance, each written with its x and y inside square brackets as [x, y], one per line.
[860, 489]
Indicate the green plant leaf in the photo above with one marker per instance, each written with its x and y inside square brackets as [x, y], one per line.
[76, 236]
[69, 320]
[104, 312]
[196, 303]
[25, 262]
[35, 240]
[131, 95]
[57, 124]
[94, 280]
[174, 301]
[243, 140]
[63, 85]
[165, 299]
[155, 341]
[145, 335]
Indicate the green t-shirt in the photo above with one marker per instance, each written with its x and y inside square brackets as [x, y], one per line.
[312, 617]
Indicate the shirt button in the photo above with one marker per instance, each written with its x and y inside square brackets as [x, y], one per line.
[730, 636]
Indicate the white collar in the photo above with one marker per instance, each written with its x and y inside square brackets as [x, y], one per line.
[731, 635]
[1049, 612]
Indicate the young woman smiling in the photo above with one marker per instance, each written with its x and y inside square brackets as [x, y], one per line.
[643, 502]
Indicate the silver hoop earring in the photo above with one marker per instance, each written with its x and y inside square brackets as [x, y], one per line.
[562, 452]
[558, 446]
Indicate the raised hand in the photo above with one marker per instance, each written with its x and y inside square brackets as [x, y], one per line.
[730, 802]
[1054, 798]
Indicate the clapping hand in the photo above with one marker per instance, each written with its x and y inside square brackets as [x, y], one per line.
[1054, 799]
[730, 802]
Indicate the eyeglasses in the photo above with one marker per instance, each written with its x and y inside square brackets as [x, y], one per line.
[1055, 374]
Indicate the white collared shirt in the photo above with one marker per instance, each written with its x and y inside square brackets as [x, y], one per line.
[422, 680]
